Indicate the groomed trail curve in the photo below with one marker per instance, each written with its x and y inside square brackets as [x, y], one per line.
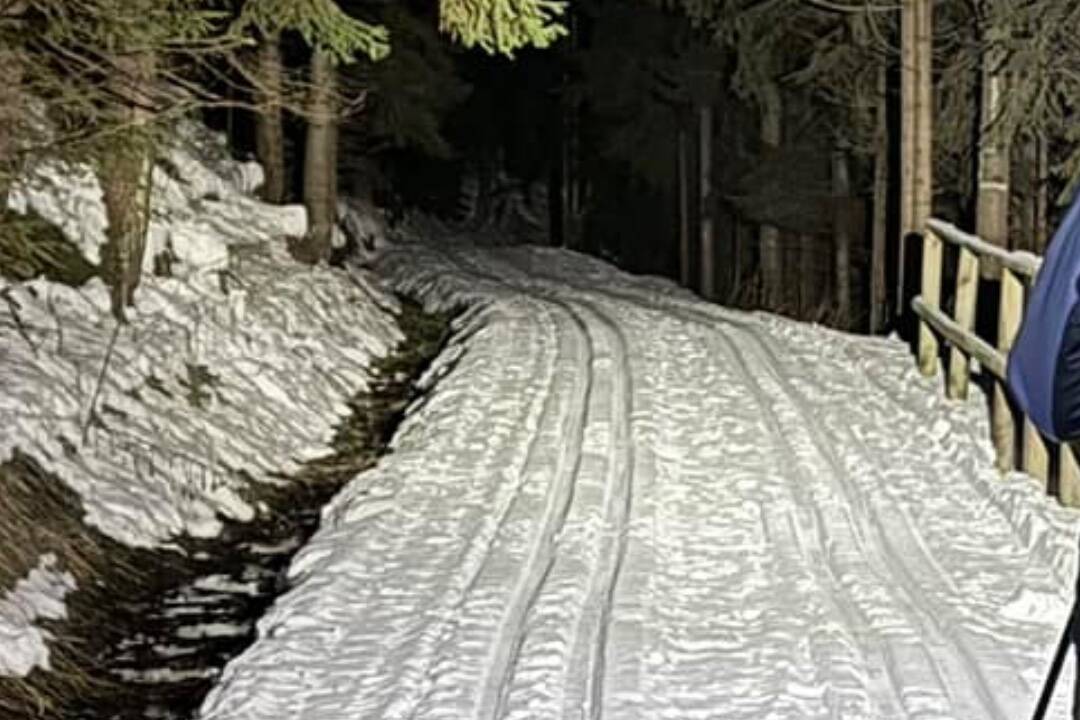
[616, 501]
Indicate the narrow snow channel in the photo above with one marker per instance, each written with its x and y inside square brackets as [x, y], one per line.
[178, 642]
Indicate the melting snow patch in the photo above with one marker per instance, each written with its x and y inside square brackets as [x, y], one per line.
[38, 596]
[236, 367]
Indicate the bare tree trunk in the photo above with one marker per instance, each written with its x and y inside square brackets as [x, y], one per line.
[574, 197]
[923, 203]
[992, 220]
[684, 209]
[708, 249]
[878, 258]
[320, 160]
[772, 259]
[577, 186]
[269, 130]
[841, 186]
[909, 74]
[1042, 176]
[737, 255]
[126, 178]
[809, 277]
[10, 109]
[9, 117]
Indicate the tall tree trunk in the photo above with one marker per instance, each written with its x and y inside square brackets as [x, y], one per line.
[909, 122]
[320, 160]
[772, 259]
[809, 277]
[705, 198]
[269, 129]
[571, 190]
[10, 109]
[992, 220]
[1042, 207]
[923, 203]
[1029, 169]
[126, 179]
[879, 295]
[841, 187]
[683, 171]
[738, 254]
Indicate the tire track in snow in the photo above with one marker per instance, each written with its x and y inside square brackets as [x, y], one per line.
[589, 701]
[512, 628]
[895, 558]
[892, 567]
[891, 564]
[619, 495]
[539, 408]
[410, 696]
[809, 521]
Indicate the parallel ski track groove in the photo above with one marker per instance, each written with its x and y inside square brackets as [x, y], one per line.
[891, 564]
[617, 512]
[544, 398]
[619, 494]
[882, 555]
[543, 368]
[511, 634]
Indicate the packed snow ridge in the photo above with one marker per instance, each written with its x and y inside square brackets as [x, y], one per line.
[234, 369]
[618, 502]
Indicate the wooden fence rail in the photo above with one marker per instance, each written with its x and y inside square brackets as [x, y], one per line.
[1018, 271]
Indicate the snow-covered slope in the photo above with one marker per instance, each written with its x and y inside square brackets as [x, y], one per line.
[242, 364]
[237, 366]
[620, 502]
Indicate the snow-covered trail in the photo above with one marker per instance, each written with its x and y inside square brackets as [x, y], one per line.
[620, 502]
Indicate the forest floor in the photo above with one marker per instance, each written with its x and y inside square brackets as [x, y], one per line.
[616, 501]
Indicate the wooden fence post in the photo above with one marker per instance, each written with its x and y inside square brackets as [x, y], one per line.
[1036, 454]
[931, 295]
[1001, 419]
[967, 293]
[1068, 477]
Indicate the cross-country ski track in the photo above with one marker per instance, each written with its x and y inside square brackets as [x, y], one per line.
[617, 501]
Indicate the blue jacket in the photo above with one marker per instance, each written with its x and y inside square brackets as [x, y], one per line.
[1044, 366]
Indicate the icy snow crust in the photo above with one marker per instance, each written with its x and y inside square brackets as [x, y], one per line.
[39, 595]
[620, 502]
[237, 367]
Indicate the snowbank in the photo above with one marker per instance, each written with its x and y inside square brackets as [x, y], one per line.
[236, 367]
[38, 596]
[201, 204]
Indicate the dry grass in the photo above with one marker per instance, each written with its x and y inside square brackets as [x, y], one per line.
[39, 515]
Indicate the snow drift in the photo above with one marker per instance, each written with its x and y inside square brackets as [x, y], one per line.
[233, 370]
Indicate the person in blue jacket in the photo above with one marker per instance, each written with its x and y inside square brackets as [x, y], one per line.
[1044, 365]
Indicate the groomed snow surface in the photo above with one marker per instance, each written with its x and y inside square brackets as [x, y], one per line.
[619, 502]
[236, 368]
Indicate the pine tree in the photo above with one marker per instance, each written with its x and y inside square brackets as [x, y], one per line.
[502, 26]
[113, 73]
[269, 121]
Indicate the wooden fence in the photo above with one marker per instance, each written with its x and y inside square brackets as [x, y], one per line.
[1055, 466]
